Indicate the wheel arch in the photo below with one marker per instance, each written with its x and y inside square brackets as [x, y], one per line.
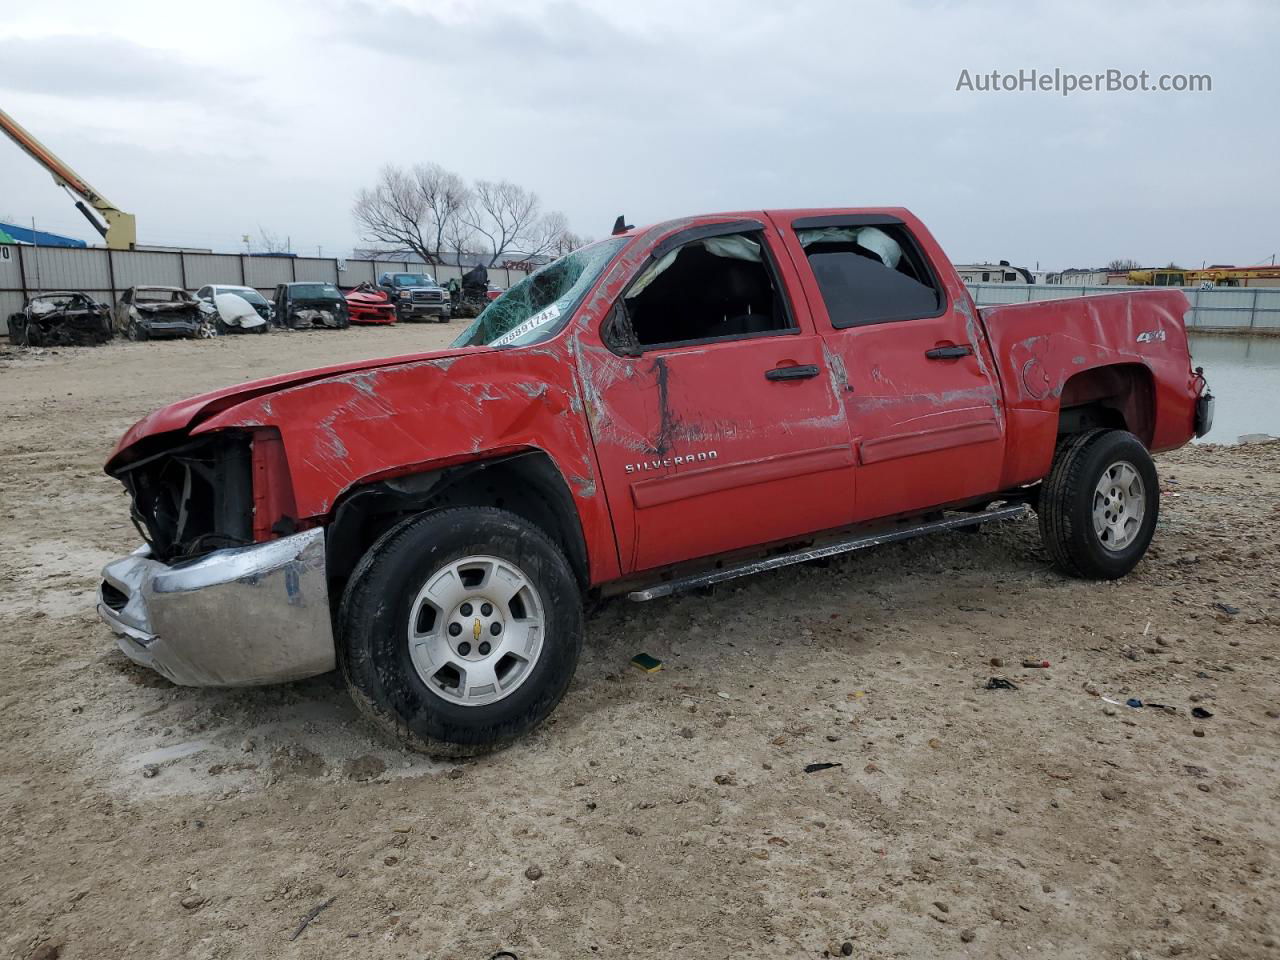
[528, 484]
[1119, 396]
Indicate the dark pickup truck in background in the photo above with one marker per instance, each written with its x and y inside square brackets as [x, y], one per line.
[668, 408]
[416, 296]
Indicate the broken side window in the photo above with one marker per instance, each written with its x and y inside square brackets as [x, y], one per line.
[870, 274]
[708, 289]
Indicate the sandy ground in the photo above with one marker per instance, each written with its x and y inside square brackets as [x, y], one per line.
[662, 814]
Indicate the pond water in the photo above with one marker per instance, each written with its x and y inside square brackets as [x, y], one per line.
[1244, 374]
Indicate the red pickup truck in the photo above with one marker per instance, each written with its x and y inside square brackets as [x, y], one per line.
[664, 409]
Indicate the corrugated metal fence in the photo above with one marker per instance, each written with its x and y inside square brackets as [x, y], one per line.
[105, 274]
[1235, 309]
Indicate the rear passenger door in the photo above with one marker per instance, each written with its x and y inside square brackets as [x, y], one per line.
[922, 398]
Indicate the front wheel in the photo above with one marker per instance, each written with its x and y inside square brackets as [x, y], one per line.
[460, 630]
[135, 332]
[1099, 506]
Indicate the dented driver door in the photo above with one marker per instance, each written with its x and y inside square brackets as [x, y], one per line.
[716, 445]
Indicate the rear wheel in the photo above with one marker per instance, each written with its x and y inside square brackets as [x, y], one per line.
[1099, 507]
[460, 630]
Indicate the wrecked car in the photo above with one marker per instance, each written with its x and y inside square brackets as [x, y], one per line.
[261, 305]
[368, 304]
[471, 293]
[664, 410]
[146, 312]
[416, 295]
[300, 306]
[60, 318]
[231, 313]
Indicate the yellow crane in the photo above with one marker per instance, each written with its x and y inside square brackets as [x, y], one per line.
[120, 232]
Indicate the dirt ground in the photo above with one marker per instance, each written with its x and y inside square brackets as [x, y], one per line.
[665, 814]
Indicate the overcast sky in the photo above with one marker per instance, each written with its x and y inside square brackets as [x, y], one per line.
[210, 121]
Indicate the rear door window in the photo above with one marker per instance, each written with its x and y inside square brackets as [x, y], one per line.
[870, 274]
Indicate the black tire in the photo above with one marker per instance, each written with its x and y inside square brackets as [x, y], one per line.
[373, 624]
[1067, 501]
[134, 331]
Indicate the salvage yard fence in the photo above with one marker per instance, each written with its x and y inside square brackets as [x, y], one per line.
[106, 274]
[1222, 309]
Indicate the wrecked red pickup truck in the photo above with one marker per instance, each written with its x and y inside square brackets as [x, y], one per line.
[665, 409]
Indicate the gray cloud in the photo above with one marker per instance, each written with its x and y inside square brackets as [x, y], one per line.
[101, 67]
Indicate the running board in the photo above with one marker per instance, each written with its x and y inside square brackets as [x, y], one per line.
[694, 581]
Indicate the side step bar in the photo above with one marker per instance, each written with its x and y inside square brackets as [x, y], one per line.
[692, 582]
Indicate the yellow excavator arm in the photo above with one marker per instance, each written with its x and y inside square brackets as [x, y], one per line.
[120, 232]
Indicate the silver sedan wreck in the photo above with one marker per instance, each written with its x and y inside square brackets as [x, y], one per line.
[147, 312]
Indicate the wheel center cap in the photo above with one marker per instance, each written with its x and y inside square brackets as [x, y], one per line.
[475, 628]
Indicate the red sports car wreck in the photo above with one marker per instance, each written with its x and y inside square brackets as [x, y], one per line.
[662, 410]
[368, 304]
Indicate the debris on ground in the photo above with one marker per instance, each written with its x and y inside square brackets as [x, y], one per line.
[310, 915]
[642, 661]
[815, 767]
[1001, 683]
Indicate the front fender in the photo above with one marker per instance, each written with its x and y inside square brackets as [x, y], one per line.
[360, 427]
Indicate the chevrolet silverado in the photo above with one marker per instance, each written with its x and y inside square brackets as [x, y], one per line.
[661, 410]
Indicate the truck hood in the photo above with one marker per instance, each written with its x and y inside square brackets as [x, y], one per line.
[167, 424]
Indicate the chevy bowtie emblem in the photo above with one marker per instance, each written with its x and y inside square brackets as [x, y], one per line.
[475, 631]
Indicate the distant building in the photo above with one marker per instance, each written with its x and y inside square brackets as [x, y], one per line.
[1083, 276]
[509, 261]
[20, 234]
[1000, 272]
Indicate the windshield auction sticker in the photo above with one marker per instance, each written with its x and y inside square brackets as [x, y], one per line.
[541, 318]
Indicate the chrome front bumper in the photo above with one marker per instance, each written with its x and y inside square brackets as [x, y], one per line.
[236, 617]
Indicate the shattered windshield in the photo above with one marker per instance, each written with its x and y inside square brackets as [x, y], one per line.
[413, 280]
[315, 291]
[532, 309]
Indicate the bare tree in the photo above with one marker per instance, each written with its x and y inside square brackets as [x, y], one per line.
[418, 209]
[507, 218]
[430, 211]
[567, 242]
[270, 242]
[1124, 264]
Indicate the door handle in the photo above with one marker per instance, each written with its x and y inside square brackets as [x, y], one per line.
[949, 353]
[801, 372]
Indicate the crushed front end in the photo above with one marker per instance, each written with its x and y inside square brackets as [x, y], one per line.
[61, 319]
[224, 592]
